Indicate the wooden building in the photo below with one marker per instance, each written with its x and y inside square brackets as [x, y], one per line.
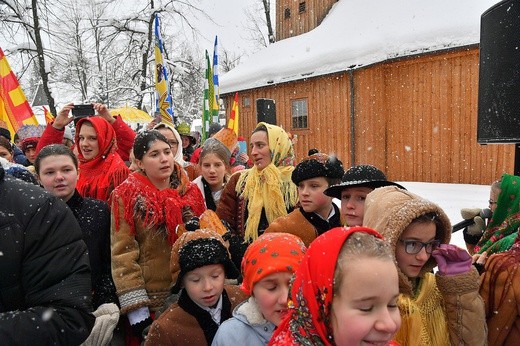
[413, 115]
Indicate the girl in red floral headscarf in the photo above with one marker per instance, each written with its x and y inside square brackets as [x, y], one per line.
[344, 293]
[101, 169]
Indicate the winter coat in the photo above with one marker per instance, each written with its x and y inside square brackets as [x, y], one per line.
[124, 137]
[430, 303]
[192, 170]
[247, 327]
[305, 225]
[500, 290]
[185, 323]
[141, 244]
[94, 219]
[45, 288]
[19, 157]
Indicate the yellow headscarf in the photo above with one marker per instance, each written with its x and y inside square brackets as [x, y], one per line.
[271, 188]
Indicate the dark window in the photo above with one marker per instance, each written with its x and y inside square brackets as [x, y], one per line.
[287, 13]
[246, 101]
[299, 114]
[301, 7]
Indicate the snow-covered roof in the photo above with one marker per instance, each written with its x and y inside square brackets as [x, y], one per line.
[357, 33]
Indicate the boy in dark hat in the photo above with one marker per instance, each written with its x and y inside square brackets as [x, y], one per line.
[357, 182]
[317, 213]
[200, 263]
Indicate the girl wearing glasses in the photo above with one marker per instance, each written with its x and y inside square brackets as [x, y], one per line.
[436, 309]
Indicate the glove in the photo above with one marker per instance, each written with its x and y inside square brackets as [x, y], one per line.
[478, 227]
[139, 319]
[107, 316]
[452, 260]
[470, 213]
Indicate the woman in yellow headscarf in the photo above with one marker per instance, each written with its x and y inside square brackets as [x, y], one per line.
[254, 197]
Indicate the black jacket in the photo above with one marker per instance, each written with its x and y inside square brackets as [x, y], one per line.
[45, 288]
[94, 220]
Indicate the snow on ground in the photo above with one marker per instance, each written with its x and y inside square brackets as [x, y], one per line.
[451, 198]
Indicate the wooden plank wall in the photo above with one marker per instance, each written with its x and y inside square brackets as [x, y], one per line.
[415, 118]
[300, 23]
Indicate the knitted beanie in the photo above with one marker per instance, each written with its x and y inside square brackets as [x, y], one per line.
[360, 176]
[317, 165]
[5, 133]
[198, 249]
[268, 254]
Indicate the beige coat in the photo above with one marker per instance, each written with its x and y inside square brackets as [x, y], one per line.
[389, 210]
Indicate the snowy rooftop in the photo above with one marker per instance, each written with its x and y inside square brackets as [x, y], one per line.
[357, 33]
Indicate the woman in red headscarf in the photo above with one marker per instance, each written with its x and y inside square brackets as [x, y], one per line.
[101, 169]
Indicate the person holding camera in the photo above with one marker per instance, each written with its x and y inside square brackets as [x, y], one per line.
[102, 144]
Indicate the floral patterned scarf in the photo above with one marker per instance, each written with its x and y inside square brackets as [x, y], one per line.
[502, 230]
[308, 320]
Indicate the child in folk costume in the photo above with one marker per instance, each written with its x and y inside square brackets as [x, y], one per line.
[357, 182]
[317, 213]
[437, 309]
[214, 165]
[146, 210]
[253, 198]
[267, 268]
[502, 229]
[200, 263]
[346, 297]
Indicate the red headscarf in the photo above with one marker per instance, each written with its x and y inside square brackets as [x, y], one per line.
[308, 319]
[100, 175]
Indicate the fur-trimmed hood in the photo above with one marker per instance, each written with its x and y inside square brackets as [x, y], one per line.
[389, 210]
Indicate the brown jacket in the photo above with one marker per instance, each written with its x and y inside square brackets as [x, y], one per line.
[294, 223]
[232, 208]
[140, 264]
[500, 290]
[178, 327]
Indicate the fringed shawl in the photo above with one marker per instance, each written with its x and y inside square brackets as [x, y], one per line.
[271, 188]
[423, 318]
[157, 208]
[100, 175]
[502, 230]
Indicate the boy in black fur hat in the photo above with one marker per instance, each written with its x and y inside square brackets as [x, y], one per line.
[317, 213]
[200, 262]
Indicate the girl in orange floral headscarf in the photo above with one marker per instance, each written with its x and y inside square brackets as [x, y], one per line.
[267, 267]
[101, 169]
[344, 293]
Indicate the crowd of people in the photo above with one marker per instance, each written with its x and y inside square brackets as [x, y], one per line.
[124, 238]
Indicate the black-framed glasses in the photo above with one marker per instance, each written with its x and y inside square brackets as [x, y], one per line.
[173, 143]
[491, 202]
[413, 247]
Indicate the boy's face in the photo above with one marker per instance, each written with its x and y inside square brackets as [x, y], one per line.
[365, 311]
[353, 205]
[312, 198]
[204, 285]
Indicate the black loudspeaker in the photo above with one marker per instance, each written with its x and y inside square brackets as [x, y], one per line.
[266, 111]
[499, 75]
